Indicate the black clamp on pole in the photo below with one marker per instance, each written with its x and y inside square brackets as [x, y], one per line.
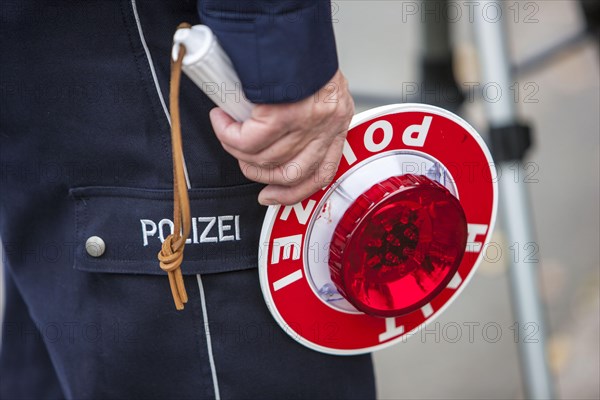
[510, 142]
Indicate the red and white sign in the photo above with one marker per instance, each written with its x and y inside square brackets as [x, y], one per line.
[383, 142]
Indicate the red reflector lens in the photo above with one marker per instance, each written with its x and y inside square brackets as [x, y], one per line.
[398, 245]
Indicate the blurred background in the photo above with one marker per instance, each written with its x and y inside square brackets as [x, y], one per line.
[471, 351]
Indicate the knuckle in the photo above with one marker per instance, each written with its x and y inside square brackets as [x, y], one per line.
[326, 173]
[326, 178]
[276, 125]
[250, 147]
[251, 171]
[292, 173]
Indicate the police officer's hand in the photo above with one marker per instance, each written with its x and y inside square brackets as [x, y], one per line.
[295, 148]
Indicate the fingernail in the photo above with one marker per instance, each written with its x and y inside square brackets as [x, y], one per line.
[267, 202]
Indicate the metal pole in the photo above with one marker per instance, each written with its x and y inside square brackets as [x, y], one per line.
[514, 203]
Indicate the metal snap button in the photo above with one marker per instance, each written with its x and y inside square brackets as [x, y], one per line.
[95, 246]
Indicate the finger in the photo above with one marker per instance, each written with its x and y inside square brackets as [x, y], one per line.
[301, 155]
[321, 177]
[290, 173]
[286, 195]
[302, 146]
[223, 125]
[248, 137]
[277, 154]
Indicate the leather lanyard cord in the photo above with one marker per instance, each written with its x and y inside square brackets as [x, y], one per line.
[171, 253]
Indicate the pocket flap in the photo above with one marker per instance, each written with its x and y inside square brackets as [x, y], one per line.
[133, 222]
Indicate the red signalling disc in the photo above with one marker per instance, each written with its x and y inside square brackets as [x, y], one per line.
[391, 242]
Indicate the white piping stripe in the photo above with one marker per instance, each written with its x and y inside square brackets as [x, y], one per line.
[139, 26]
[211, 359]
[2, 290]
[155, 78]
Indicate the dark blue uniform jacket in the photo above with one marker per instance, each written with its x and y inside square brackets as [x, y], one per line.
[85, 151]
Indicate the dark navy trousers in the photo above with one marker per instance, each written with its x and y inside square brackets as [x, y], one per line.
[85, 151]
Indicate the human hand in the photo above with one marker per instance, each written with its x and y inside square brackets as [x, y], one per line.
[295, 148]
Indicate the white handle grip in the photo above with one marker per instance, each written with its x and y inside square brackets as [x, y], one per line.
[209, 67]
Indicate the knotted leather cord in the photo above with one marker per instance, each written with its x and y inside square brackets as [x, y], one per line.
[171, 253]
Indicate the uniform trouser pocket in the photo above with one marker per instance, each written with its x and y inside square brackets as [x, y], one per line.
[133, 223]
